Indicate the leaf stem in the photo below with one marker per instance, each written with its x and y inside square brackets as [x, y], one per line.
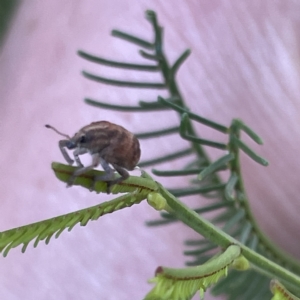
[216, 235]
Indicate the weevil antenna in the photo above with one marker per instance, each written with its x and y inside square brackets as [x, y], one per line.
[51, 127]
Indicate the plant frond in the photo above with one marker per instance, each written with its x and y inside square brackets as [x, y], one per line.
[229, 200]
[280, 292]
[136, 189]
[45, 229]
[111, 63]
[86, 180]
[158, 133]
[182, 284]
[132, 39]
[166, 158]
[123, 108]
[122, 83]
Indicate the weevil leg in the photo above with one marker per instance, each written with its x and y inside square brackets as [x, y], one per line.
[123, 172]
[108, 176]
[82, 170]
[62, 144]
[109, 172]
[124, 175]
[76, 153]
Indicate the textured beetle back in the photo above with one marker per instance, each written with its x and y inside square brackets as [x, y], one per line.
[113, 142]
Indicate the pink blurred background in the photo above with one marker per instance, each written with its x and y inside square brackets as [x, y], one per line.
[244, 63]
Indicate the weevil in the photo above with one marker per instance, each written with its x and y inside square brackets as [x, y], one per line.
[109, 145]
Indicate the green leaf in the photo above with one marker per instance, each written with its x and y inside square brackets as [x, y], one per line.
[242, 126]
[132, 39]
[250, 152]
[117, 64]
[44, 230]
[124, 108]
[178, 284]
[162, 132]
[220, 163]
[180, 60]
[166, 158]
[123, 83]
[280, 292]
[86, 180]
[193, 116]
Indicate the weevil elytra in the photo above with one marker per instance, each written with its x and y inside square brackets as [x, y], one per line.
[109, 145]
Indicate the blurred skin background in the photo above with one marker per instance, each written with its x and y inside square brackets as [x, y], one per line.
[244, 63]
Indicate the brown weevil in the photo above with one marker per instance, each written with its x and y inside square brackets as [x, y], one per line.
[109, 145]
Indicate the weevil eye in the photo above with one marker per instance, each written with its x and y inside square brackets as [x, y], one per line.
[82, 139]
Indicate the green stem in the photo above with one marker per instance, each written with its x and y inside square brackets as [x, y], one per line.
[243, 203]
[216, 235]
[169, 79]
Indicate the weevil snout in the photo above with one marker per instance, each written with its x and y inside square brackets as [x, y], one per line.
[70, 144]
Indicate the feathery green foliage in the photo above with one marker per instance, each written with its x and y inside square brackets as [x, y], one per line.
[228, 199]
[280, 292]
[44, 230]
[179, 284]
[233, 222]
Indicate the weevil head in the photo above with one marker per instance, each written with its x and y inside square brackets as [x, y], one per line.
[70, 143]
[80, 140]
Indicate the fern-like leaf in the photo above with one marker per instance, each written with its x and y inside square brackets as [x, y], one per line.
[182, 284]
[280, 292]
[136, 189]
